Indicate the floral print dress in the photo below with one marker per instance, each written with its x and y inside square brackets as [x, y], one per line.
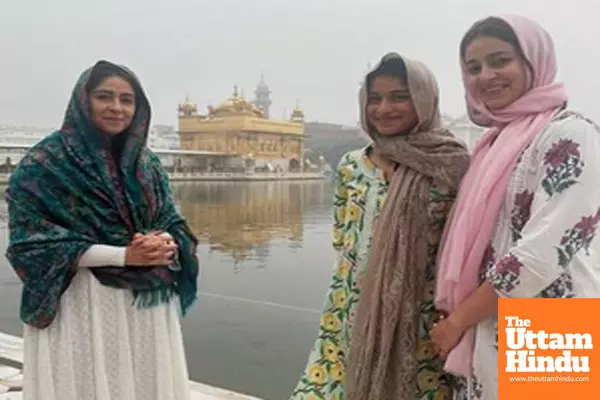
[544, 242]
[360, 192]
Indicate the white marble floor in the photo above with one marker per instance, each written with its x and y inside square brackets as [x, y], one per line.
[11, 358]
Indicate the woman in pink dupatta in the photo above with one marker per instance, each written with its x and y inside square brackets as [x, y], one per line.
[529, 206]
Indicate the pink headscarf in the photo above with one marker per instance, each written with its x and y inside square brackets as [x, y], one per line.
[484, 187]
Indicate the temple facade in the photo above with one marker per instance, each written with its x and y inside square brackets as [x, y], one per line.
[242, 129]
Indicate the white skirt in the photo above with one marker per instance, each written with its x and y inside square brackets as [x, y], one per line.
[101, 347]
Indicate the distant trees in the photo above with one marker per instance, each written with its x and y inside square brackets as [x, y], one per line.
[332, 140]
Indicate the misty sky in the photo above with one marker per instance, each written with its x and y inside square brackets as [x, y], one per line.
[314, 51]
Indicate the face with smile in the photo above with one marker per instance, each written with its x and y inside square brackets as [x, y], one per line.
[390, 109]
[112, 105]
[496, 71]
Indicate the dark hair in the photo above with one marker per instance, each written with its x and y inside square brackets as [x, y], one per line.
[103, 70]
[491, 27]
[393, 67]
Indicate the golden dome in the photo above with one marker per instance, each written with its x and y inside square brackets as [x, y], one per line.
[236, 105]
[227, 105]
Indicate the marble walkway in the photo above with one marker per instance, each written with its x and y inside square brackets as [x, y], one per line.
[11, 362]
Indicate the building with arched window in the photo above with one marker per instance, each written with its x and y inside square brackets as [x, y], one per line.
[242, 128]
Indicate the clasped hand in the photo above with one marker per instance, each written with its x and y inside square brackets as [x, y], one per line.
[446, 333]
[150, 250]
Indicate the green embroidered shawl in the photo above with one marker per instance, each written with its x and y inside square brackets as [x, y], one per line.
[69, 192]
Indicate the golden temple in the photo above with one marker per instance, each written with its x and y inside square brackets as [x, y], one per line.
[242, 128]
[238, 219]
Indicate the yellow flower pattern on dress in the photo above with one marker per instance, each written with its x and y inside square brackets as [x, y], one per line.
[330, 322]
[330, 351]
[359, 196]
[428, 380]
[337, 372]
[353, 212]
[343, 269]
[339, 299]
[313, 397]
[338, 237]
[349, 240]
[346, 173]
[317, 374]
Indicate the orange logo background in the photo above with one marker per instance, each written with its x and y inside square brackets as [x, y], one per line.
[575, 316]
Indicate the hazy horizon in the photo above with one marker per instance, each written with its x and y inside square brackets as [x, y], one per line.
[312, 52]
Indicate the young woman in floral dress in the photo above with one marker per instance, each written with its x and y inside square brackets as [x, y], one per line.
[529, 207]
[373, 340]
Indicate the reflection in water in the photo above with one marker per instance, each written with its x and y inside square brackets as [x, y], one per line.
[252, 328]
[243, 219]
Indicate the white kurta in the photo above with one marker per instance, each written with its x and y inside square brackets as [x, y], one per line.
[545, 242]
[101, 347]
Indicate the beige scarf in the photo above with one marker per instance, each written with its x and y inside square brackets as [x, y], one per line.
[382, 361]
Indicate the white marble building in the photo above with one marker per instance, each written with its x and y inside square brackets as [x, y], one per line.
[163, 137]
[160, 136]
[15, 140]
[21, 135]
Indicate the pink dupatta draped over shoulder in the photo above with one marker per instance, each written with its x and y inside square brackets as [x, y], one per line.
[484, 187]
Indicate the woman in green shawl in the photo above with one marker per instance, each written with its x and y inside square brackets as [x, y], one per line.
[105, 259]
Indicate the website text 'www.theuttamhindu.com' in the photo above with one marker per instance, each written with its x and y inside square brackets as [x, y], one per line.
[535, 379]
